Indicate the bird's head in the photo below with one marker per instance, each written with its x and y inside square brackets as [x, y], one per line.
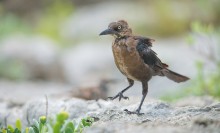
[117, 29]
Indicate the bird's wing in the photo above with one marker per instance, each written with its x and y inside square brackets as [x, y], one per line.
[147, 54]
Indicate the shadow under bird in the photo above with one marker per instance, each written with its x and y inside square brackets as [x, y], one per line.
[136, 60]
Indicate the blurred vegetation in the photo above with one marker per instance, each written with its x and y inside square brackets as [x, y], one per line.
[51, 21]
[59, 125]
[12, 24]
[45, 21]
[12, 69]
[173, 18]
[204, 83]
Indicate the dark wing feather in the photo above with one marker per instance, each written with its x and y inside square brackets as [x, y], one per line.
[147, 54]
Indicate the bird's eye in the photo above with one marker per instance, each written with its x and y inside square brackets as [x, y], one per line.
[119, 27]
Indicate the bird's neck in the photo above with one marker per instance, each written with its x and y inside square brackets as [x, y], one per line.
[120, 37]
[120, 40]
[124, 34]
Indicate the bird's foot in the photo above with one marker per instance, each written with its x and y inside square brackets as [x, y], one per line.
[137, 112]
[120, 96]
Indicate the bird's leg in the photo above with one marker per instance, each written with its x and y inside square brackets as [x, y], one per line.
[120, 94]
[144, 93]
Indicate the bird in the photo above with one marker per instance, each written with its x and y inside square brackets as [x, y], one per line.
[136, 60]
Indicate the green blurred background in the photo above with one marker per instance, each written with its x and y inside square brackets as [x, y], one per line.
[55, 43]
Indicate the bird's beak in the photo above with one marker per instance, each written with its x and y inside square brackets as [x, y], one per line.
[107, 32]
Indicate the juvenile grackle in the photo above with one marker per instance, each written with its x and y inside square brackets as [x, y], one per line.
[136, 60]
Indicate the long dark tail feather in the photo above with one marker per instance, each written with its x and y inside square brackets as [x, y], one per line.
[174, 76]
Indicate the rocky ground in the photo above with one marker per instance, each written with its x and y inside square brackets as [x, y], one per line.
[193, 114]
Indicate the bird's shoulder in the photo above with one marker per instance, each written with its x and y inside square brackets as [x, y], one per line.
[133, 41]
[143, 47]
[145, 40]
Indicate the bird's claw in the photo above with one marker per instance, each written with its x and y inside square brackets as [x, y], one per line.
[137, 112]
[123, 97]
[120, 96]
[110, 98]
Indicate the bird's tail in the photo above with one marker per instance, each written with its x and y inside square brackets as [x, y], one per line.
[174, 76]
